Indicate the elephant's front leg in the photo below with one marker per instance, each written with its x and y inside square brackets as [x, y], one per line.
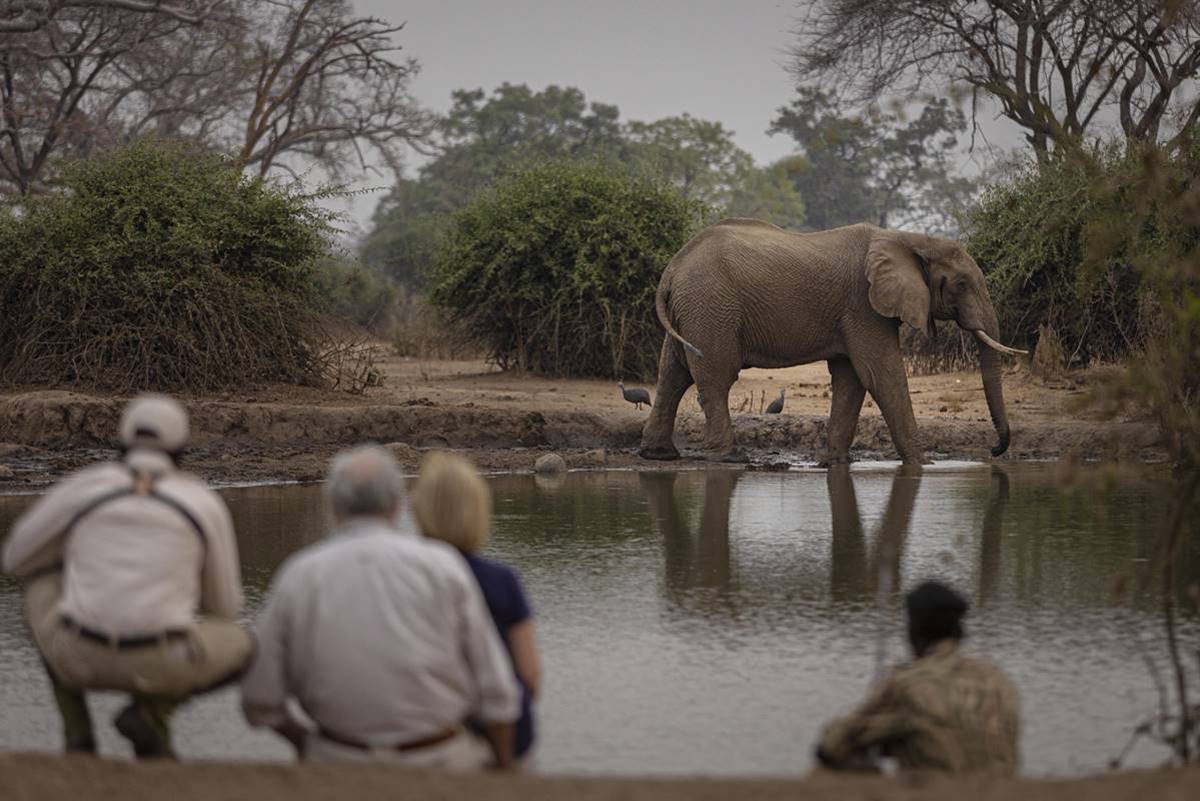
[848, 393]
[673, 380]
[881, 370]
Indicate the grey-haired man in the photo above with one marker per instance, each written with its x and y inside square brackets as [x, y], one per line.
[383, 638]
[118, 559]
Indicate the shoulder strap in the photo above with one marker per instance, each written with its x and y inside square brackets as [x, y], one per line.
[143, 485]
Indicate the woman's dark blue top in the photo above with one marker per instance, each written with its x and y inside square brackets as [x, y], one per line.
[506, 601]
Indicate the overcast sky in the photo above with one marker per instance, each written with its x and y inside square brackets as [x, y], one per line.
[714, 59]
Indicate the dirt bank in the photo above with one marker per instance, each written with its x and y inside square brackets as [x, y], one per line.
[504, 421]
[24, 777]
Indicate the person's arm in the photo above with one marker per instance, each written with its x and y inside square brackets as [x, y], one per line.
[498, 698]
[265, 686]
[523, 647]
[221, 583]
[846, 742]
[36, 539]
[502, 739]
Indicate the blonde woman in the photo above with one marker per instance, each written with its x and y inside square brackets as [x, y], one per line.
[452, 503]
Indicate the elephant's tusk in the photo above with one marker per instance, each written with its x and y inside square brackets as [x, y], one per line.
[994, 345]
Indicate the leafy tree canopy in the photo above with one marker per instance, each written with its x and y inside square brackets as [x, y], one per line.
[876, 167]
[486, 136]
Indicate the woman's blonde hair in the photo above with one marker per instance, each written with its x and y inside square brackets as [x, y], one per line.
[452, 502]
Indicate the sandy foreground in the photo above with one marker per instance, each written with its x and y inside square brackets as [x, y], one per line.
[30, 777]
[505, 420]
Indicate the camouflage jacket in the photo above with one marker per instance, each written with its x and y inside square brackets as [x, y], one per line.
[943, 711]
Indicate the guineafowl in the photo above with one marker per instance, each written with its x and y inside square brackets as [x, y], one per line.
[776, 406]
[637, 396]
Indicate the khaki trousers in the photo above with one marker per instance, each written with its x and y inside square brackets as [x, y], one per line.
[159, 676]
[462, 754]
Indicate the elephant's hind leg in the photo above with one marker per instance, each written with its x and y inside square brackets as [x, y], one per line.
[673, 380]
[715, 384]
[848, 393]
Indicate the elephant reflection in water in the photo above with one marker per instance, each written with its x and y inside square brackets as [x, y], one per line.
[989, 546]
[855, 575]
[702, 559]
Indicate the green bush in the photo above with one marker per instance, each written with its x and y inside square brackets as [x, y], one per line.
[1029, 233]
[1151, 219]
[554, 269]
[159, 266]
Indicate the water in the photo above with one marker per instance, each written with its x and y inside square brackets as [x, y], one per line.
[709, 622]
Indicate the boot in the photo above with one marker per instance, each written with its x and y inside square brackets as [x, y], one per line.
[144, 723]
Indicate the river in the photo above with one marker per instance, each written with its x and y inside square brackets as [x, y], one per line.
[708, 622]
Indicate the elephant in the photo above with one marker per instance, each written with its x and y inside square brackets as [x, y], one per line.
[745, 293]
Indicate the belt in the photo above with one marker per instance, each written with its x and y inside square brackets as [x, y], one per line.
[412, 745]
[122, 643]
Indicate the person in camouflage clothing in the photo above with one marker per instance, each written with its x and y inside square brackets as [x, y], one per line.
[942, 711]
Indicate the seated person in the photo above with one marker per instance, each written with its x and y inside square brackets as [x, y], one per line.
[383, 639]
[453, 504]
[942, 711]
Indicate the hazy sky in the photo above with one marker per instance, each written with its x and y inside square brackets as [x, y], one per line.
[714, 59]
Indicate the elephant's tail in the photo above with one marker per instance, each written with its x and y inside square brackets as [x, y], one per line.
[664, 317]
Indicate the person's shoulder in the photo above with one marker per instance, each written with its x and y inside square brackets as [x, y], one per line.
[985, 672]
[307, 562]
[492, 568]
[191, 483]
[99, 473]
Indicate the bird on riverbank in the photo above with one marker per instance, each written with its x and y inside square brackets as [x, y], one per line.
[637, 396]
[776, 406]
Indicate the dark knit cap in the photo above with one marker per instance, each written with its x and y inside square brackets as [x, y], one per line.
[935, 611]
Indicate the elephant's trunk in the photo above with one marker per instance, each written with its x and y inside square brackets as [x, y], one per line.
[993, 390]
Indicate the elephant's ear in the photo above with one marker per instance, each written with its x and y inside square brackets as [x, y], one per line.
[898, 287]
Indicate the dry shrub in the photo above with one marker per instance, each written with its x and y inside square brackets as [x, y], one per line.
[1049, 359]
[160, 267]
[349, 361]
[950, 349]
[421, 332]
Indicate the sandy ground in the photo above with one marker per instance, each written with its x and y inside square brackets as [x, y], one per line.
[26, 777]
[505, 420]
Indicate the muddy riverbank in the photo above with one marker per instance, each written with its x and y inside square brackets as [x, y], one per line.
[505, 421]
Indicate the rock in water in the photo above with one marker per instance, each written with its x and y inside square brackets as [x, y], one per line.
[550, 463]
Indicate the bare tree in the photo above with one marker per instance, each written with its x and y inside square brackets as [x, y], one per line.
[324, 85]
[52, 79]
[279, 84]
[1058, 68]
[25, 16]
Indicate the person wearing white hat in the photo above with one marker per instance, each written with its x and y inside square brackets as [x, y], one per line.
[118, 560]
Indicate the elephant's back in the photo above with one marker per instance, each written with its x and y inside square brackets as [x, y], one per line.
[749, 246]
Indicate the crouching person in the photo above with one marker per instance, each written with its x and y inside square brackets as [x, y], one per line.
[118, 559]
[943, 711]
[383, 640]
